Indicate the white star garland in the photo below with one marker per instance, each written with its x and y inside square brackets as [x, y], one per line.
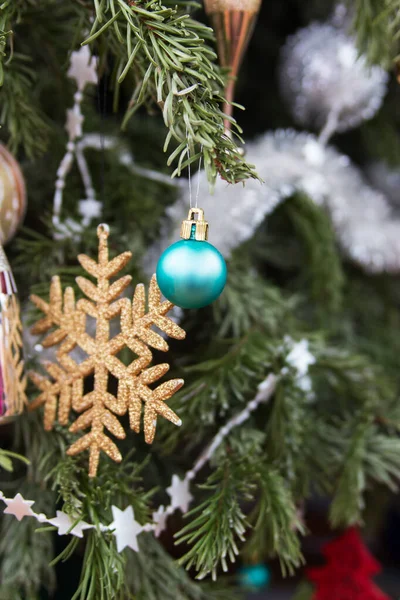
[124, 526]
[83, 69]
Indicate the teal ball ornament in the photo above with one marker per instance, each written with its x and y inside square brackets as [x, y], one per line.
[255, 577]
[192, 273]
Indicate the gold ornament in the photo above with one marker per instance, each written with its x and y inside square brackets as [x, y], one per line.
[64, 389]
[233, 22]
[12, 378]
[12, 195]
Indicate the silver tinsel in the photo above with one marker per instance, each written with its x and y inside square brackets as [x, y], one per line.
[289, 161]
[387, 180]
[326, 83]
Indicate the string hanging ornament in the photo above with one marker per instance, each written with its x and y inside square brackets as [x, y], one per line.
[192, 273]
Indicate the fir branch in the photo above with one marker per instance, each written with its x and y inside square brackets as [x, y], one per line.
[218, 522]
[19, 110]
[371, 457]
[377, 26]
[166, 51]
[348, 501]
[152, 574]
[6, 457]
[276, 522]
[214, 387]
[25, 556]
[323, 265]
[248, 300]
[287, 431]
[102, 575]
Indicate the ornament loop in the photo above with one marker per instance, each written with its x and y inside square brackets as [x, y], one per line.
[103, 230]
[195, 227]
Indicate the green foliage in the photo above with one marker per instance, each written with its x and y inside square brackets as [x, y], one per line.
[153, 575]
[165, 50]
[218, 523]
[20, 111]
[6, 457]
[377, 24]
[249, 300]
[287, 430]
[322, 263]
[305, 591]
[370, 457]
[219, 385]
[276, 520]
[102, 576]
[347, 507]
[25, 555]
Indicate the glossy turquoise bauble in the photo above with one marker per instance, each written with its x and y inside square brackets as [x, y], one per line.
[191, 273]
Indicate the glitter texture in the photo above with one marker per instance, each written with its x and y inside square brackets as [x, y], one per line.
[12, 364]
[12, 195]
[12, 379]
[64, 389]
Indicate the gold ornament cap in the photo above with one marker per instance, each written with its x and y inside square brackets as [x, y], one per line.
[194, 228]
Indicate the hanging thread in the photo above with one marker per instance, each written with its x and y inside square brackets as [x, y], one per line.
[189, 173]
[198, 175]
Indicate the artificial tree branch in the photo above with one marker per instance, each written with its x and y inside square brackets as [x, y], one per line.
[165, 50]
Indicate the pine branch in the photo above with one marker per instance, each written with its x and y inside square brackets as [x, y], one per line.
[348, 501]
[276, 522]
[102, 575]
[19, 110]
[305, 591]
[377, 25]
[323, 266]
[217, 386]
[218, 522]
[165, 50]
[151, 574]
[24, 554]
[287, 431]
[248, 300]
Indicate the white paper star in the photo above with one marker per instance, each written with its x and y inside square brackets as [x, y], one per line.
[63, 522]
[83, 67]
[74, 123]
[19, 507]
[126, 528]
[180, 494]
[300, 357]
[160, 519]
[90, 209]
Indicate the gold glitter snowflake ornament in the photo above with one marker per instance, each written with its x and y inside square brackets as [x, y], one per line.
[63, 388]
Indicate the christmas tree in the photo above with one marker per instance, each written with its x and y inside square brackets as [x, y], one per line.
[118, 480]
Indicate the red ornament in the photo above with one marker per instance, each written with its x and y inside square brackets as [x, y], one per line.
[348, 572]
